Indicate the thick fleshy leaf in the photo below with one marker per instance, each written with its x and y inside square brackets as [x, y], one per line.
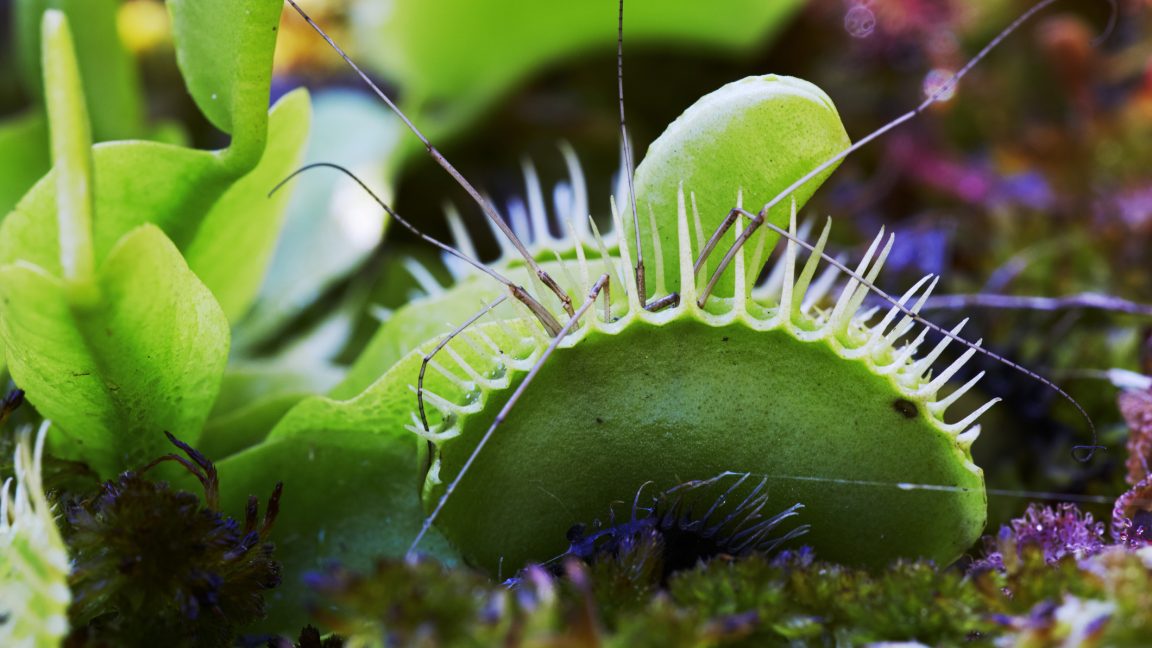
[23, 156]
[234, 245]
[254, 396]
[349, 497]
[332, 225]
[352, 476]
[146, 358]
[136, 183]
[706, 154]
[224, 49]
[169, 186]
[453, 57]
[111, 81]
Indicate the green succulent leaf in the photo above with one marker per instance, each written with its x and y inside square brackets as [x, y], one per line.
[224, 49]
[466, 53]
[234, 245]
[254, 396]
[177, 188]
[146, 358]
[135, 183]
[757, 135]
[349, 496]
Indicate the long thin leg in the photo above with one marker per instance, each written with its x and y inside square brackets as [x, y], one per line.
[485, 206]
[546, 319]
[447, 338]
[641, 287]
[1081, 301]
[600, 284]
[945, 89]
[713, 241]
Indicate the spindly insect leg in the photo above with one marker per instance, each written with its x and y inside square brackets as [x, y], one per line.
[943, 90]
[629, 167]
[444, 342]
[593, 294]
[759, 219]
[546, 319]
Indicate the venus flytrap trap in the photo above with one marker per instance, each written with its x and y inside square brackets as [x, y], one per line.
[833, 405]
[617, 362]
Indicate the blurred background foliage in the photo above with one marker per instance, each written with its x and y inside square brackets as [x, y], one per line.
[1034, 180]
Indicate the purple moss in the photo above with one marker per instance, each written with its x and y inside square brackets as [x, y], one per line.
[1058, 532]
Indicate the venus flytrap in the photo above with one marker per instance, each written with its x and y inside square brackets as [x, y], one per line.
[834, 407]
[106, 326]
[106, 69]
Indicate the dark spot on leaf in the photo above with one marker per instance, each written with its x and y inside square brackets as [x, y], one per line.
[599, 420]
[905, 407]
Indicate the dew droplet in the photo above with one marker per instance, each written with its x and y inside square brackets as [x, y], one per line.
[860, 22]
[939, 80]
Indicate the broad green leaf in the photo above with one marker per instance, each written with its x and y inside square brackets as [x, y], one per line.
[704, 154]
[224, 49]
[349, 497]
[453, 57]
[254, 396]
[331, 224]
[148, 182]
[146, 358]
[234, 245]
[243, 428]
[136, 183]
[111, 81]
[23, 156]
[352, 478]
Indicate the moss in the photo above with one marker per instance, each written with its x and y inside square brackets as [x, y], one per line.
[156, 566]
